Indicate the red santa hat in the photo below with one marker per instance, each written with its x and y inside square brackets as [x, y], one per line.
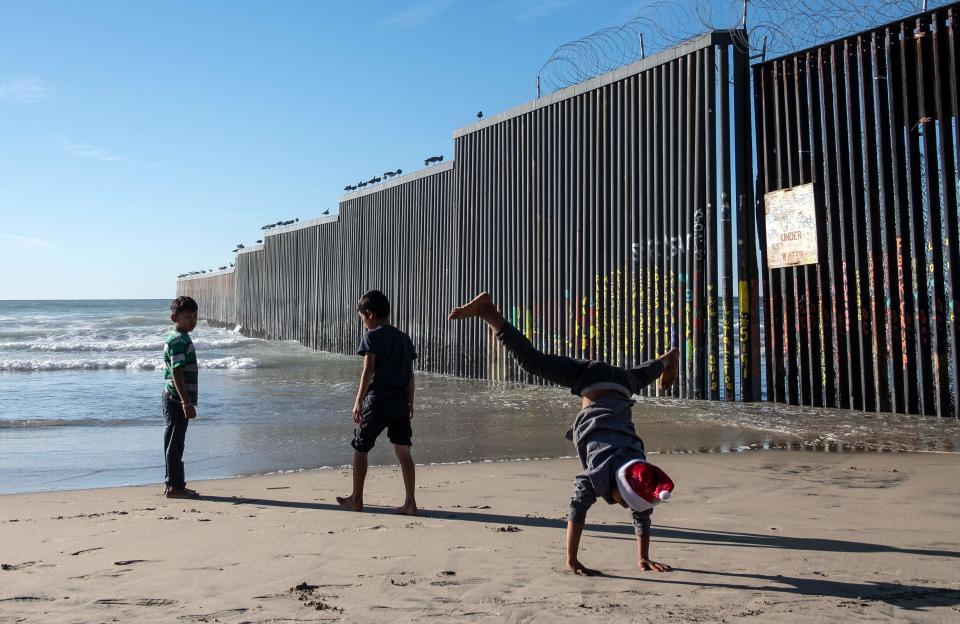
[643, 485]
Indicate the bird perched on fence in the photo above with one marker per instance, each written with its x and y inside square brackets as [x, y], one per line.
[326, 212]
[479, 114]
[231, 265]
[259, 241]
[433, 159]
[349, 187]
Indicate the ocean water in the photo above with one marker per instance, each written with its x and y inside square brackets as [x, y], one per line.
[80, 385]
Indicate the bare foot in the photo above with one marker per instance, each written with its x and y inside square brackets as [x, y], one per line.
[671, 368]
[475, 307]
[181, 493]
[347, 502]
[653, 566]
[408, 509]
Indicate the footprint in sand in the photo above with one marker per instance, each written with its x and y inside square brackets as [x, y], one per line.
[27, 599]
[213, 617]
[137, 602]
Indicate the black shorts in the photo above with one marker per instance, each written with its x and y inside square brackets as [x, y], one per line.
[377, 414]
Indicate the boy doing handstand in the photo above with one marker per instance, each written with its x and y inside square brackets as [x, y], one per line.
[611, 453]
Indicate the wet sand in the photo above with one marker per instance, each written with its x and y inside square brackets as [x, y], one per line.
[757, 536]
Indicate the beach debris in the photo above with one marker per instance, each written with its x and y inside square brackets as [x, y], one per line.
[126, 562]
[305, 594]
[85, 550]
[447, 573]
[507, 529]
[16, 566]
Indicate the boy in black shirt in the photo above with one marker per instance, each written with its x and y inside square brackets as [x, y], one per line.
[384, 399]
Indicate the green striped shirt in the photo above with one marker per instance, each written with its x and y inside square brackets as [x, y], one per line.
[178, 352]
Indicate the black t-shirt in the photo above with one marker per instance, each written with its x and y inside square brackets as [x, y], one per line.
[393, 362]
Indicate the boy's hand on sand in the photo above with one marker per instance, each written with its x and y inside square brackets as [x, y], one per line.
[653, 566]
[578, 568]
[356, 413]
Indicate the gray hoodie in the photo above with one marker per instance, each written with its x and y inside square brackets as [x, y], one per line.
[605, 438]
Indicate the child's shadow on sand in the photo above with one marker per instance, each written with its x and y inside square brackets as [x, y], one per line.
[910, 597]
[662, 533]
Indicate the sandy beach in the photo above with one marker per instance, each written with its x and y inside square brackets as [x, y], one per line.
[755, 537]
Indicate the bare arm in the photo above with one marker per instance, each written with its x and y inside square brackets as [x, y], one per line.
[643, 556]
[189, 411]
[574, 529]
[410, 390]
[365, 378]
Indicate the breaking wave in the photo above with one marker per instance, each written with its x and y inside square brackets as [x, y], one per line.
[119, 363]
[55, 345]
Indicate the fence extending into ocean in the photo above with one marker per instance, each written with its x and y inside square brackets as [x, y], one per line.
[623, 216]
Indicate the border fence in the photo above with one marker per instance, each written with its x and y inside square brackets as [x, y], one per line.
[622, 216]
[601, 217]
[871, 121]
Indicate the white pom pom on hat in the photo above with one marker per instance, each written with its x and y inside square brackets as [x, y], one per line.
[643, 485]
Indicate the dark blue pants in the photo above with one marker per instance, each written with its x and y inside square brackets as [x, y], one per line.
[574, 373]
[174, 435]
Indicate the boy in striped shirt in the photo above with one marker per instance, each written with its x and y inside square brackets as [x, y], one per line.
[179, 394]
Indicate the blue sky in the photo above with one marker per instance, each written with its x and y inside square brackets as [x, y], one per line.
[139, 140]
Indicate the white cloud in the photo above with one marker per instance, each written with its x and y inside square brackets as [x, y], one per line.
[9, 242]
[416, 14]
[82, 150]
[87, 150]
[23, 91]
[543, 8]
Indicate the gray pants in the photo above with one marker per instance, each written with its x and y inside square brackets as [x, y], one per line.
[574, 373]
[174, 435]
